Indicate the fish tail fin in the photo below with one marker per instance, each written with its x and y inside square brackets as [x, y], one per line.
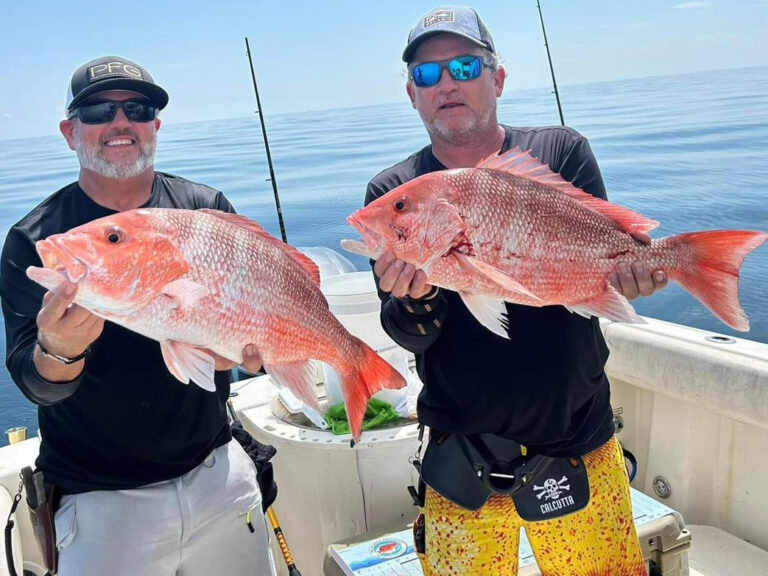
[361, 379]
[709, 269]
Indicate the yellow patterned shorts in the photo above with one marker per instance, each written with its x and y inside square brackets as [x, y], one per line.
[599, 540]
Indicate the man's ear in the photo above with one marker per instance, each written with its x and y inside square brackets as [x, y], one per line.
[67, 129]
[411, 93]
[498, 80]
[157, 124]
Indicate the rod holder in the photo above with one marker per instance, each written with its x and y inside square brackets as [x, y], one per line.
[17, 434]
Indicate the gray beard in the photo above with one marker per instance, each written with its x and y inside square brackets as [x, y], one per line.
[90, 158]
[474, 127]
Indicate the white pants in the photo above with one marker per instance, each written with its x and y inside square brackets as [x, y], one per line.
[194, 525]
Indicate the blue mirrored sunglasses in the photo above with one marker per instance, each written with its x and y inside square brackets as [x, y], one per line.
[461, 68]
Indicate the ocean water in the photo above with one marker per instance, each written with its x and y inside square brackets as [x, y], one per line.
[690, 151]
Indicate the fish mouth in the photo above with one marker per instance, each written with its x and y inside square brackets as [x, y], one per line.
[373, 242]
[55, 256]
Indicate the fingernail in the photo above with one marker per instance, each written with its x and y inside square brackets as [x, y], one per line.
[639, 267]
[399, 264]
[408, 268]
[659, 276]
[250, 350]
[612, 278]
[69, 289]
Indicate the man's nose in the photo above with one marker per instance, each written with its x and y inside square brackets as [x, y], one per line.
[446, 81]
[120, 117]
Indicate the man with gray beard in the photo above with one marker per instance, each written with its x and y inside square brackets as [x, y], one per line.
[91, 157]
[144, 476]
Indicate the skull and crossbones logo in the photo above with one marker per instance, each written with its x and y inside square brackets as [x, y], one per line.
[552, 488]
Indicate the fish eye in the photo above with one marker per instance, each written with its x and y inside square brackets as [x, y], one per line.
[401, 205]
[114, 234]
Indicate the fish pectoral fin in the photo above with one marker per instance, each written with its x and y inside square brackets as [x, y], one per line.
[357, 247]
[184, 293]
[187, 362]
[497, 276]
[299, 378]
[611, 305]
[490, 312]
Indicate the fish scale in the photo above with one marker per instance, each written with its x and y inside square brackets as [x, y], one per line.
[225, 260]
[530, 232]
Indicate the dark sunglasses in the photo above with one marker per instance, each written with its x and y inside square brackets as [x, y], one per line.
[461, 68]
[105, 111]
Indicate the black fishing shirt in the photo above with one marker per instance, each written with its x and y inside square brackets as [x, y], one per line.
[545, 387]
[125, 421]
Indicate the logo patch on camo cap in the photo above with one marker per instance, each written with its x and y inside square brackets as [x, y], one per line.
[455, 20]
[438, 16]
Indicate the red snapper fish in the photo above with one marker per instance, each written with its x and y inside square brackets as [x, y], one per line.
[194, 279]
[511, 230]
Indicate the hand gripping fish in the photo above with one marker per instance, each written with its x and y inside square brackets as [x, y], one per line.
[204, 278]
[511, 230]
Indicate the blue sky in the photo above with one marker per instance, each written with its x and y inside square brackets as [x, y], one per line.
[340, 53]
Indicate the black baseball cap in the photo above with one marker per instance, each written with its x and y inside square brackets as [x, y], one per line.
[112, 73]
[456, 20]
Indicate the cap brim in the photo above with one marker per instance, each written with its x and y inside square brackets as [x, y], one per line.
[153, 92]
[416, 42]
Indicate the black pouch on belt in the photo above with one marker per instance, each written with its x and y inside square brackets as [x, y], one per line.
[42, 501]
[468, 469]
[560, 488]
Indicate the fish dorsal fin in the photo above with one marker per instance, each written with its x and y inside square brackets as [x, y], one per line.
[516, 161]
[253, 226]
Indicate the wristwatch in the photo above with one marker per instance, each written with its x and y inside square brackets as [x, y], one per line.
[62, 359]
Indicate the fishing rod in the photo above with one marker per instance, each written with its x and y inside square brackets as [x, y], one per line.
[551, 69]
[266, 145]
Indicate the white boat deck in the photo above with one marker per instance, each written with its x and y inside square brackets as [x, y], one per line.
[717, 553]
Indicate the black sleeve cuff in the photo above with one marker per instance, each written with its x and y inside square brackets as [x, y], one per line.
[419, 317]
[39, 390]
[427, 304]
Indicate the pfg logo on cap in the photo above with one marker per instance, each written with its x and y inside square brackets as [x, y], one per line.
[115, 69]
[437, 17]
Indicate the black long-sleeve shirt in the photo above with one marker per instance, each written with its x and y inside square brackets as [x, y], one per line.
[125, 421]
[544, 387]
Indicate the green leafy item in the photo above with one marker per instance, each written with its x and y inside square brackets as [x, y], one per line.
[377, 413]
